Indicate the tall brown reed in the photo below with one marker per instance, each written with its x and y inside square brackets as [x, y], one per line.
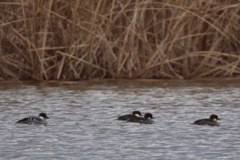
[82, 39]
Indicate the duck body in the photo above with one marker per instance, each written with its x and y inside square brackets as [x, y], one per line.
[41, 119]
[129, 116]
[208, 121]
[147, 119]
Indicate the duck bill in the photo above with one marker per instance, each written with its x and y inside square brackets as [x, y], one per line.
[47, 118]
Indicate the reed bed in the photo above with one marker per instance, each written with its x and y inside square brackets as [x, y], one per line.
[88, 39]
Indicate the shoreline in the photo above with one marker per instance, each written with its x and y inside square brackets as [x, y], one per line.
[120, 80]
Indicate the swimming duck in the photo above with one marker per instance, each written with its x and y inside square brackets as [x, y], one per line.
[208, 121]
[41, 119]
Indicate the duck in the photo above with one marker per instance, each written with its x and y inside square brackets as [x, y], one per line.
[41, 119]
[129, 116]
[211, 121]
[147, 119]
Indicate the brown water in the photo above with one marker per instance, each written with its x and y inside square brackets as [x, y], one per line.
[83, 123]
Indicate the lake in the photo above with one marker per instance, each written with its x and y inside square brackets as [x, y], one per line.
[83, 120]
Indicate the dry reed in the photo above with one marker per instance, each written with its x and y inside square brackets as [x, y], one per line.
[85, 39]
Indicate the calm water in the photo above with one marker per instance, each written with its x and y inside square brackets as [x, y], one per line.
[83, 123]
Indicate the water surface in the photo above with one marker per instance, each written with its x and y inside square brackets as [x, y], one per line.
[83, 123]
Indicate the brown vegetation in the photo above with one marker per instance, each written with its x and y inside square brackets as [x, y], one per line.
[85, 39]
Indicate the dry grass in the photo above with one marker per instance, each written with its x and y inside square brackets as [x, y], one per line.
[86, 39]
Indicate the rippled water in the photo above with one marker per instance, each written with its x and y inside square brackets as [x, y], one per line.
[83, 123]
